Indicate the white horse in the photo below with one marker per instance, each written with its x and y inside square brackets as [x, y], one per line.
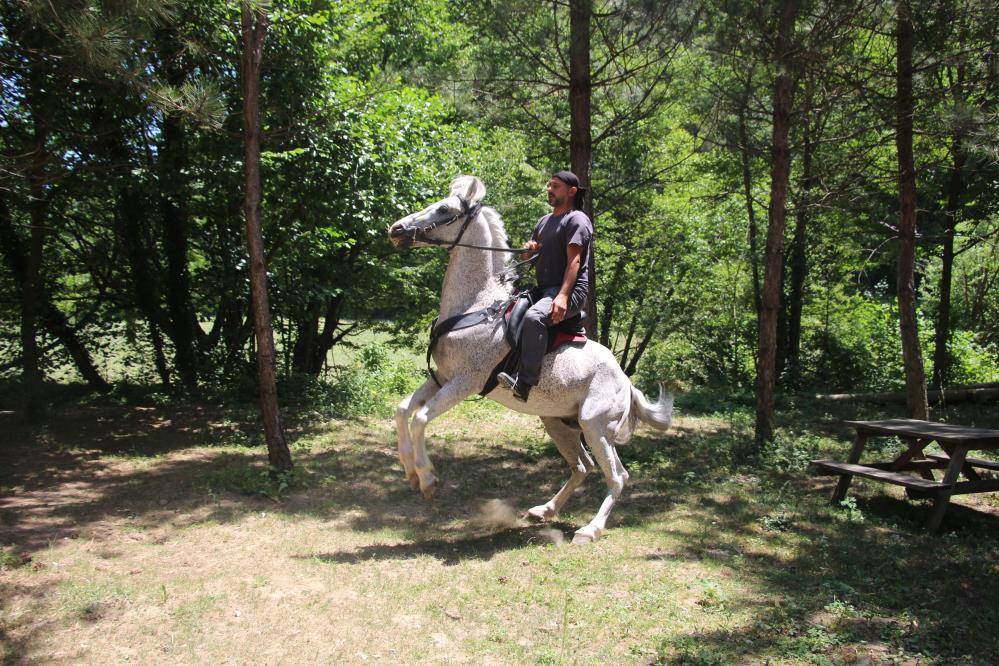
[581, 384]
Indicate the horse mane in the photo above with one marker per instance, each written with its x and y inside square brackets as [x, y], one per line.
[460, 186]
[496, 228]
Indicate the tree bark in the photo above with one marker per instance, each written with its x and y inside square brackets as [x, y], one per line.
[747, 187]
[955, 187]
[632, 327]
[130, 209]
[254, 28]
[183, 329]
[607, 313]
[637, 356]
[773, 254]
[798, 263]
[912, 359]
[631, 366]
[31, 286]
[580, 133]
[15, 255]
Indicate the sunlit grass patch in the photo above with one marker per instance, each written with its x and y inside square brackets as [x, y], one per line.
[91, 599]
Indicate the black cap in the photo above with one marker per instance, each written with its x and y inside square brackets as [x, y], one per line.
[570, 179]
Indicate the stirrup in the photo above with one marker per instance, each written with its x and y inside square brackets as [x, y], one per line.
[506, 381]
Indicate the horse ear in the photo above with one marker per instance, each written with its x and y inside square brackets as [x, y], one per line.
[476, 191]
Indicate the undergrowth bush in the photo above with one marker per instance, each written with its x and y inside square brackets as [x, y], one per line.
[790, 452]
[371, 385]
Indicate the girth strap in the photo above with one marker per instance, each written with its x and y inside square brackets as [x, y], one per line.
[458, 322]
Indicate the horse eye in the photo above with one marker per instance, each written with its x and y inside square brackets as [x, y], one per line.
[442, 209]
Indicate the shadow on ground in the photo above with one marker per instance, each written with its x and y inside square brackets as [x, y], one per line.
[892, 586]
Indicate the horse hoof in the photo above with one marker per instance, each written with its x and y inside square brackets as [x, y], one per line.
[586, 535]
[428, 492]
[539, 514]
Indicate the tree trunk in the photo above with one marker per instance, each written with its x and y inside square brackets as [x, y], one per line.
[955, 187]
[631, 366]
[747, 187]
[915, 379]
[183, 329]
[130, 209]
[580, 136]
[306, 334]
[773, 253]
[798, 264]
[635, 315]
[610, 293]
[15, 255]
[31, 290]
[780, 356]
[637, 356]
[254, 28]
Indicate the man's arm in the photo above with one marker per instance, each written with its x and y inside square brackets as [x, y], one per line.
[560, 303]
[530, 248]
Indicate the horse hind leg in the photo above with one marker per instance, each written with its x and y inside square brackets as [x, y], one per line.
[403, 413]
[567, 442]
[599, 438]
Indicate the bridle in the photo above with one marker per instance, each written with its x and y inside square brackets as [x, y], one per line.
[469, 212]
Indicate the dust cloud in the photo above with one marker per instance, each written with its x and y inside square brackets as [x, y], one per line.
[497, 514]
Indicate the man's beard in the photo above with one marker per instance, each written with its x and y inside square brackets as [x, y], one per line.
[554, 201]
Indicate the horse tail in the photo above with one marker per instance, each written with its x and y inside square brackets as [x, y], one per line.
[659, 414]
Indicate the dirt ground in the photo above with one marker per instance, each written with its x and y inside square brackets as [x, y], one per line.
[153, 535]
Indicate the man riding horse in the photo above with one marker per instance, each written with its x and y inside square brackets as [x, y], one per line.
[561, 240]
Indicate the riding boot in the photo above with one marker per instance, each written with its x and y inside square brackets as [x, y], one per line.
[520, 390]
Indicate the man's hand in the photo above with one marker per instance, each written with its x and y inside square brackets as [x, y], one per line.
[559, 305]
[530, 247]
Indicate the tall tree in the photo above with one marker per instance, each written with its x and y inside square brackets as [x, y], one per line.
[38, 217]
[580, 137]
[254, 29]
[912, 358]
[780, 172]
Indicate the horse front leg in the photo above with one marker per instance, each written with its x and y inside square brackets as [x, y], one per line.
[403, 413]
[453, 392]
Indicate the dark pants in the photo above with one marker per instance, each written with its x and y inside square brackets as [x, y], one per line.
[534, 338]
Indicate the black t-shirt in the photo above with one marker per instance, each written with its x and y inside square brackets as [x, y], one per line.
[556, 233]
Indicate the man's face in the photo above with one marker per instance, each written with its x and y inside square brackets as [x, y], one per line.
[559, 193]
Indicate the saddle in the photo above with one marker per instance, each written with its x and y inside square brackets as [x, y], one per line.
[568, 331]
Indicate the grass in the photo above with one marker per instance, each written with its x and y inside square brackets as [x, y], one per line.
[156, 535]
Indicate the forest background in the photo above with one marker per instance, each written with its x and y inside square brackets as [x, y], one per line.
[757, 226]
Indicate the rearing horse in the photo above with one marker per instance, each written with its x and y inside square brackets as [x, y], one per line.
[583, 385]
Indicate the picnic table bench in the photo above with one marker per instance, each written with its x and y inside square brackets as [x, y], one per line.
[955, 440]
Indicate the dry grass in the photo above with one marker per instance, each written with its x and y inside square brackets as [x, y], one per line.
[137, 534]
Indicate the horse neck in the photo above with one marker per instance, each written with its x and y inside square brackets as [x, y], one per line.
[472, 278]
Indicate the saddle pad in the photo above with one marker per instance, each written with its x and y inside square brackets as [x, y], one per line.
[556, 339]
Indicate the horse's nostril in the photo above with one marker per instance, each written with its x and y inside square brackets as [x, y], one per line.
[396, 231]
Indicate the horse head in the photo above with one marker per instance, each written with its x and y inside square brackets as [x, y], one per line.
[436, 224]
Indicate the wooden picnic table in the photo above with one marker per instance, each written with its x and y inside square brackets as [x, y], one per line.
[955, 440]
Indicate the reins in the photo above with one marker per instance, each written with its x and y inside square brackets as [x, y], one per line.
[488, 314]
[469, 212]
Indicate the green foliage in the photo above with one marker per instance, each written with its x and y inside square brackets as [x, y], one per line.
[11, 559]
[371, 108]
[849, 512]
[370, 385]
[689, 651]
[791, 452]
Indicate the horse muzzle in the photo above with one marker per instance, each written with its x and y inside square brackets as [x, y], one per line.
[400, 236]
